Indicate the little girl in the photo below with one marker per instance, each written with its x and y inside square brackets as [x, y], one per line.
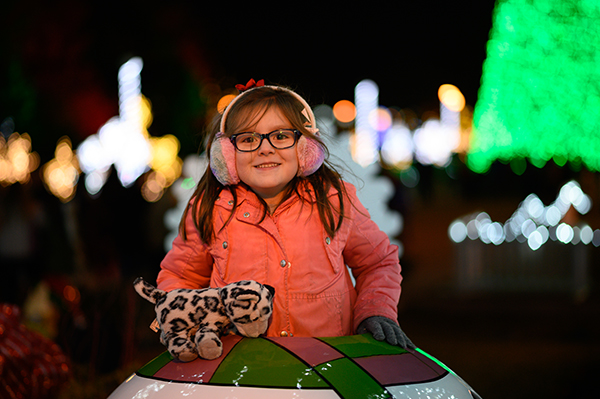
[269, 208]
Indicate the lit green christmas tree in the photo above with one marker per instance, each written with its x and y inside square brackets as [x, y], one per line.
[540, 88]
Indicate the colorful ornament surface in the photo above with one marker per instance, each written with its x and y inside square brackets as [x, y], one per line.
[341, 367]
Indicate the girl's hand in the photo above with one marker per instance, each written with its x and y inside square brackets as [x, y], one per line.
[386, 329]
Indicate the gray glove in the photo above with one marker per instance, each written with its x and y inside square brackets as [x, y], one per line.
[384, 328]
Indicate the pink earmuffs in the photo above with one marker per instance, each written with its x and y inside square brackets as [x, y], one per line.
[311, 154]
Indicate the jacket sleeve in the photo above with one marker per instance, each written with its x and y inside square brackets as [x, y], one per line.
[188, 264]
[374, 263]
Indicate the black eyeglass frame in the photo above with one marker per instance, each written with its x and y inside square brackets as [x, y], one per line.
[263, 136]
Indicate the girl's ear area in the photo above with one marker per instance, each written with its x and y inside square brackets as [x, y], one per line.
[311, 155]
[222, 160]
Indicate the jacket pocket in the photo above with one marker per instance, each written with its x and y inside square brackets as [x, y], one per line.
[328, 314]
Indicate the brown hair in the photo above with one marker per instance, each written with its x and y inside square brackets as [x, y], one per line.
[245, 113]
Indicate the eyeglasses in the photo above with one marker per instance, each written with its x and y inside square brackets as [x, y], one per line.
[279, 139]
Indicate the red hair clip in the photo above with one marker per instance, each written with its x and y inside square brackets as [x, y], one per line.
[251, 83]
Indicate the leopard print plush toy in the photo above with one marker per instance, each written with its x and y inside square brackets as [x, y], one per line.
[192, 321]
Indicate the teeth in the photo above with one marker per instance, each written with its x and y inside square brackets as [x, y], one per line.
[269, 165]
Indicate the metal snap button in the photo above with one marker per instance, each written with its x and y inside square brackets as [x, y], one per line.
[225, 244]
[283, 334]
[246, 215]
[328, 240]
[283, 263]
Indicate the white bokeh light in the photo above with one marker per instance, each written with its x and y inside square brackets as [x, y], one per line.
[366, 98]
[120, 141]
[434, 143]
[457, 231]
[533, 222]
[397, 147]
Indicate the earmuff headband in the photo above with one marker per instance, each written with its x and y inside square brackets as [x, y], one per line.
[311, 154]
[307, 111]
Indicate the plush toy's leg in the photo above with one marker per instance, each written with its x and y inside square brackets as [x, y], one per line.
[182, 349]
[208, 344]
[187, 356]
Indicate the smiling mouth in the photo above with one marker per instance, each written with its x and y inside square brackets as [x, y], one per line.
[267, 165]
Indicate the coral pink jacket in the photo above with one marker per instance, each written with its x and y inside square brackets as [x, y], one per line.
[291, 251]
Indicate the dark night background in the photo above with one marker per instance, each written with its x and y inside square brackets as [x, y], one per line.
[58, 77]
[60, 59]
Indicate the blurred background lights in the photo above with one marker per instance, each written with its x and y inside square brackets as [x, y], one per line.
[130, 89]
[435, 143]
[152, 189]
[164, 156]
[224, 102]
[536, 240]
[128, 135]
[452, 102]
[540, 87]
[193, 166]
[365, 142]
[95, 162]
[451, 97]
[533, 222]
[382, 132]
[564, 233]
[587, 234]
[380, 119]
[410, 176]
[61, 174]
[16, 159]
[166, 167]
[457, 231]
[121, 141]
[344, 111]
[124, 141]
[571, 194]
[397, 147]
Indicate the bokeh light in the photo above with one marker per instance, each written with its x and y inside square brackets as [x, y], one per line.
[380, 119]
[397, 147]
[224, 102]
[435, 143]
[124, 141]
[410, 177]
[539, 97]
[153, 187]
[532, 223]
[166, 167]
[457, 231]
[16, 159]
[61, 174]
[451, 97]
[344, 111]
[365, 142]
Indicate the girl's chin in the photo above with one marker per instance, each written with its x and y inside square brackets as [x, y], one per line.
[269, 192]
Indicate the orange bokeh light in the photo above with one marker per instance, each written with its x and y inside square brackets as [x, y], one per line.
[224, 102]
[451, 97]
[344, 111]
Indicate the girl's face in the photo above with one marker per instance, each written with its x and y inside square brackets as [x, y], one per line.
[268, 170]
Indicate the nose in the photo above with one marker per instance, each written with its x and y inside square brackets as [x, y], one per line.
[266, 147]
